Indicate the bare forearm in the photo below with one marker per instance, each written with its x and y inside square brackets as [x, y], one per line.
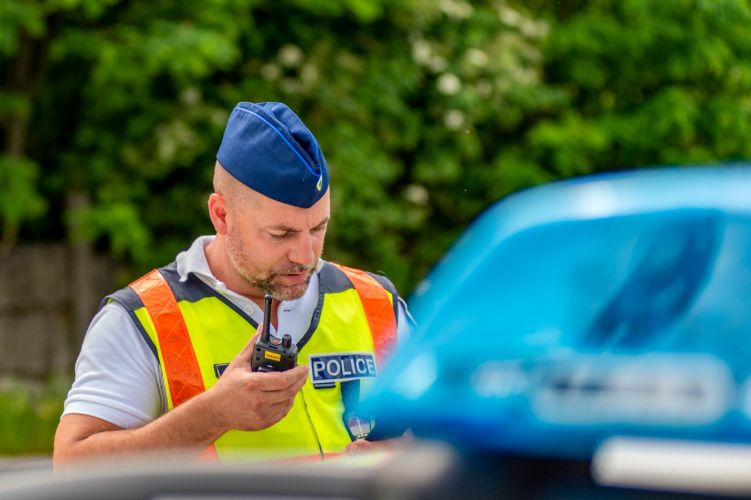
[188, 428]
[241, 400]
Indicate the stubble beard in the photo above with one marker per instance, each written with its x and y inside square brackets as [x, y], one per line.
[279, 291]
[263, 280]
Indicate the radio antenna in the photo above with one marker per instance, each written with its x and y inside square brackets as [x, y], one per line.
[266, 318]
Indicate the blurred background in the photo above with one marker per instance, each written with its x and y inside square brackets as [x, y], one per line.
[428, 111]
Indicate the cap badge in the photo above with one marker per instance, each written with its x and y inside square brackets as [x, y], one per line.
[319, 184]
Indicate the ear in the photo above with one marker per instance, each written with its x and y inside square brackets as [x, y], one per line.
[218, 212]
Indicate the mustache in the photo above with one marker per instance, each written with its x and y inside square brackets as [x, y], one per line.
[294, 269]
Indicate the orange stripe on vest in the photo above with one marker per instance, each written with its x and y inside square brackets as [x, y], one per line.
[180, 362]
[378, 310]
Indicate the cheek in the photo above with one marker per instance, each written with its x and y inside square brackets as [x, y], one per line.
[248, 251]
[268, 255]
[318, 240]
[318, 244]
[238, 232]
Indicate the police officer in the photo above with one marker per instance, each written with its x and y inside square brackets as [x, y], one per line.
[165, 364]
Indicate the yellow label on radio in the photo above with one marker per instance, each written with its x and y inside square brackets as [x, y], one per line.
[273, 356]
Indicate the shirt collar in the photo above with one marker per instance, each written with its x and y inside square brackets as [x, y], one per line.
[294, 315]
[193, 260]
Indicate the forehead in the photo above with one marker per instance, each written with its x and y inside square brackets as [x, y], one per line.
[267, 212]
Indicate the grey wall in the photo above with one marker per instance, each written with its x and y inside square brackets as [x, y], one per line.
[48, 294]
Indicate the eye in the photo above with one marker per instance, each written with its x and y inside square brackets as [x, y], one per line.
[279, 236]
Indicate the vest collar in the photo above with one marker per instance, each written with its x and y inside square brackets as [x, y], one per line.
[296, 317]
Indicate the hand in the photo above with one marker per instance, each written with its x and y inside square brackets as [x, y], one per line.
[363, 445]
[251, 401]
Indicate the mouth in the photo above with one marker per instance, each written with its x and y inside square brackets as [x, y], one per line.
[292, 279]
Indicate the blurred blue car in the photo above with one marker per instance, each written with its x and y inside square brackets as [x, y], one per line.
[612, 305]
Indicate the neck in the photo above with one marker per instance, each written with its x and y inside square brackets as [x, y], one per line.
[224, 271]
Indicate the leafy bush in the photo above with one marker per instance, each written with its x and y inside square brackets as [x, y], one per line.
[428, 112]
[30, 415]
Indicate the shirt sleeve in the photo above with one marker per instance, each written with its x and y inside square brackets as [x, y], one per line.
[118, 378]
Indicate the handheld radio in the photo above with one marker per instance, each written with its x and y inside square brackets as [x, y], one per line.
[272, 355]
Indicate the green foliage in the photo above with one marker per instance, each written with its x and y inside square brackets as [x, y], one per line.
[30, 416]
[647, 83]
[19, 198]
[427, 112]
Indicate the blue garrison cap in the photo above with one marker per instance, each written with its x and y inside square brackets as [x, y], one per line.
[269, 149]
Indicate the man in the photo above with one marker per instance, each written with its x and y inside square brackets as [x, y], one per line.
[165, 364]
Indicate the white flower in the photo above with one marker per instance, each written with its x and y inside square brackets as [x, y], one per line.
[509, 16]
[290, 55]
[455, 9]
[417, 194]
[453, 119]
[477, 57]
[449, 84]
[421, 51]
[437, 64]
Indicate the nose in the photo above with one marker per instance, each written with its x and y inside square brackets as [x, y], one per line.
[302, 251]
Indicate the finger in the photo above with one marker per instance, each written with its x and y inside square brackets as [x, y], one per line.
[243, 357]
[359, 446]
[272, 414]
[285, 410]
[247, 350]
[286, 394]
[280, 381]
[278, 408]
[280, 397]
[302, 381]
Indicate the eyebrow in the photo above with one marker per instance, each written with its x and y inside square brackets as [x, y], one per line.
[288, 229]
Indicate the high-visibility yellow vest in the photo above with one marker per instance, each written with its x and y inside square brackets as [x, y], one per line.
[195, 332]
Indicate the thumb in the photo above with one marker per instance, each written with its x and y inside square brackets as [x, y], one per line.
[243, 357]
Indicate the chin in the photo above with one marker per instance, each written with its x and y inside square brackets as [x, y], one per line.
[290, 292]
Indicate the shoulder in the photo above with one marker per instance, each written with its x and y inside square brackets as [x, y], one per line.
[117, 377]
[112, 316]
[130, 298]
[126, 298]
[117, 312]
[384, 282]
[336, 277]
[116, 324]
